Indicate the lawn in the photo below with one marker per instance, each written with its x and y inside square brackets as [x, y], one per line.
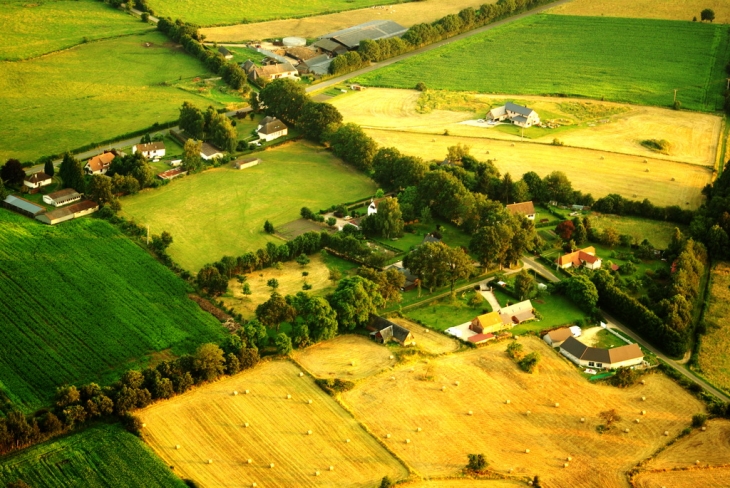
[450, 235]
[714, 347]
[444, 313]
[227, 12]
[83, 303]
[632, 60]
[63, 101]
[659, 233]
[556, 310]
[222, 211]
[98, 457]
[44, 27]
[606, 340]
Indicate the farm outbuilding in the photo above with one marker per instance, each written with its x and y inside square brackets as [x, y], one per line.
[22, 206]
[373, 30]
[486, 323]
[517, 114]
[35, 181]
[384, 331]
[246, 163]
[209, 151]
[171, 174]
[294, 42]
[62, 197]
[517, 313]
[480, 338]
[556, 337]
[225, 52]
[67, 213]
[594, 357]
[330, 47]
[318, 65]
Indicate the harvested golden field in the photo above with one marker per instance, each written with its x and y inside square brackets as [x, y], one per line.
[290, 283]
[209, 424]
[693, 136]
[693, 478]
[429, 340]
[646, 9]
[349, 356]
[503, 432]
[616, 173]
[406, 14]
[467, 483]
[714, 354]
[710, 448]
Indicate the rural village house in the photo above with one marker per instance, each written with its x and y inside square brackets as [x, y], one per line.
[271, 128]
[35, 181]
[209, 151]
[487, 323]
[150, 150]
[98, 165]
[383, 331]
[517, 314]
[582, 257]
[525, 208]
[270, 72]
[517, 114]
[225, 52]
[594, 357]
[62, 197]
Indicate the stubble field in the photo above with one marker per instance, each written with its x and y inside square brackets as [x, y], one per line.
[647, 9]
[714, 355]
[222, 211]
[710, 448]
[692, 478]
[351, 357]
[504, 431]
[208, 423]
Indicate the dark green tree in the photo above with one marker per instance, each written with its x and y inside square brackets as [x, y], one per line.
[318, 119]
[582, 292]
[211, 281]
[72, 173]
[209, 362]
[192, 121]
[317, 314]
[100, 189]
[354, 300]
[283, 344]
[274, 311]
[477, 462]
[707, 14]
[48, 167]
[284, 98]
[12, 173]
[524, 284]
[221, 132]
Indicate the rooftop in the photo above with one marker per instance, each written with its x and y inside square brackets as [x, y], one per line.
[513, 107]
[24, 204]
[523, 208]
[374, 29]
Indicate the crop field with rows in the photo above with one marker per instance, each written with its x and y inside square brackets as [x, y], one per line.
[80, 303]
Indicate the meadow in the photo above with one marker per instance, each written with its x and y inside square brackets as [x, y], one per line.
[647, 9]
[226, 12]
[40, 28]
[60, 102]
[97, 457]
[447, 312]
[658, 232]
[222, 211]
[83, 303]
[270, 430]
[633, 60]
[713, 357]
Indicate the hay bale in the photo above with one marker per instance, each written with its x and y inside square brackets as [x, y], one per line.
[557, 405]
[309, 432]
[697, 462]
[249, 460]
[419, 429]
[332, 468]
[246, 392]
[456, 383]
[637, 421]
[408, 441]
[316, 473]
[301, 374]
[387, 436]
[602, 158]
[528, 413]
[666, 432]
[487, 152]
[210, 461]
[527, 451]
[443, 388]
[565, 465]
[513, 144]
[470, 413]
[506, 402]
[391, 356]
[643, 399]
[392, 378]
[347, 441]
[271, 465]
[245, 424]
[643, 382]
[144, 425]
[582, 419]
[643, 412]
[352, 363]
[254, 485]
[235, 393]
[646, 170]
[177, 446]
[704, 429]
[626, 430]
[288, 397]
[309, 402]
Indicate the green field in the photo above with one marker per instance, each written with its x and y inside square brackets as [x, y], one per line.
[658, 232]
[75, 97]
[222, 211]
[227, 12]
[44, 27]
[447, 312]
[625, 60]
[80, 303]
[97, 457]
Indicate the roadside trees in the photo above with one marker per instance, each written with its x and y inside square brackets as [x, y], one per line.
[318, 119]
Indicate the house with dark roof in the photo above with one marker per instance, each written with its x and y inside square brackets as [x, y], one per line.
[430, 238]
[582, 257]
[517, 114]
[150, 150]
[318, 65]
[384, 331]
[22, 206]
[225, 52]
[524, 208]
[209, 151]
[330, 47]
[595, 357]
[37, 180]
[373, 30]
[62, 197]
[271, 128]
[98, 165]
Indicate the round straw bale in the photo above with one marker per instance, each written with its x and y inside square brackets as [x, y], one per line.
[387, 436]
[582, 419]
[527, 451]
[288, 397]
[177, 446]
[408, 441]
[565, 465]
[316, 473]
[301, 374]
[643, 399]
[470, 412]
[456, 383]
[697, 462]
[704, 429]
[557, 405]
[391, 357]
[309, 432]
[245, 424]
[419, 429]
[210, 461]
[271, 465]
[254, 485]
[626, 430]
[235, 393]
[309, 402]
[643, 382]
[246, 392]
[569, 458]
[506, 402]
[643, 412]
[666, 432]
[637, 421]
[443, 388]
[249, 460]
[332, 468]
[528, 412]
[347, 440]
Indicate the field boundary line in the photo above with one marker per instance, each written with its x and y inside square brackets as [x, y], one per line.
[336, 398]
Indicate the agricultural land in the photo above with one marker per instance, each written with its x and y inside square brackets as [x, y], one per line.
[714, 349]
[647, 9]
[406, 14]
[83, 303]
[350, 357]
[231, 206]
[657, 232]
[487, 379]
[573, 61]
[97, 457]
[210, 424]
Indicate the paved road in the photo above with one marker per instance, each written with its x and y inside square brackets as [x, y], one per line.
[540, 269]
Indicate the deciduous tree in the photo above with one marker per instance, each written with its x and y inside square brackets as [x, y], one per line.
[192, 121]
[354, 300]
[582, 292]
[318, 119]
[524, 284]
[284, 98]
[100, 189]
[209, 362]
[12, 172]
[192, 161]
[274, 311]
[221, 132]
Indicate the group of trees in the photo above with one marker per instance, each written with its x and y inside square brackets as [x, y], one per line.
[387, 222]
[209, 125]
[711, 222]
[437, 264]
[618, 205]
[12, 173]
[349, 61]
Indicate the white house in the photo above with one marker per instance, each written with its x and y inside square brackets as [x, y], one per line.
[594, 357]
[209, 151]
[62, 197]
[150, 150]
[36, 181]
[517, 313]
[582, 257]
[98, 165]
[372, 208]
[517, 114]
[271, 128]
[525, 208]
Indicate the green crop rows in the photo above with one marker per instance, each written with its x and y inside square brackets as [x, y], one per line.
[81, 302]
[626, 60]
[104, 456]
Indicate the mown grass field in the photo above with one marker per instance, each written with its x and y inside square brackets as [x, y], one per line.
[447, 312]
[209, 424]
[60, 102]
[502, 432]
[632, 60]
[40, 28]
[222, 12]
[659, 233]
[649, 9]
[97, 457]
[714, 350]
[222, 211]
[81, 303]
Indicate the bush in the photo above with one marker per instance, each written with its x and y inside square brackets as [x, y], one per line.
[699, 419]
[514, 351]
[477, 462]
[132, 423]
[421, 86]
[334, 385]
[625, 377]
[529, 362]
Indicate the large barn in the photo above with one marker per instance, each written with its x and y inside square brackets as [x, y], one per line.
[350, 38]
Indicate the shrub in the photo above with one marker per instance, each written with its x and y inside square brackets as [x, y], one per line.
[625, 377]
[421, 86]
[132, 423]
[514, 351]
[699, 419]
[477, 462]
[529, 362]
[334, 385]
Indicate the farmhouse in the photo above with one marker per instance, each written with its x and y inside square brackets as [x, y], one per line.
[209, 151]
[412, 281]
[68, 213]
[35, 181]
[489, 322]
[150, 150]
[594, 357]
[270, 72]
[517, 114]
[171, 174]
[225, 52]
[556, 337]
[583, 257]
[98, 165]
[318, 65]
[22, 206]
[246, 163]
[62, 197]
[525, 208]
[517, 313]
[375, 29]
[271, 128]
[383, 331]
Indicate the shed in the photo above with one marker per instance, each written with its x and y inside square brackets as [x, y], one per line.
[22, 206]
[225, 52]
[384, 331]
[62, 197]
[56, 216]
[171, 174]
[480, 338]
[246, 163]
[209, 151]
[556, 337]
[330, 47]
[318, 65]
[373, 30]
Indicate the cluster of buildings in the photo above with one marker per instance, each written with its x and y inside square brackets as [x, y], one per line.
[487, 325]
[585, 356]
[58, 199]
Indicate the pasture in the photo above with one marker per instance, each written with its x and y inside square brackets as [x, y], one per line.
[222, 211]
[569, 59]
[487, 378]
[351, 357]
[41, 28]
[624, 174]
[97, 457]
[646, 9]
[406, 14]
[658, 232]
[60, 102]
[222, 12]
[603, 126]
[714, 348]
[447, 312]
[209, 423]
[83, 303]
